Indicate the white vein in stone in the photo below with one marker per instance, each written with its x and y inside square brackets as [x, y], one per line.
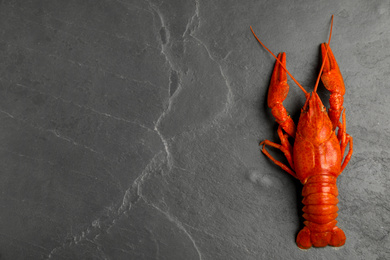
[193, 18]
[229, 96]
[81, 106]
[165, 52]
[174, 220]
[6, 113]
[131, 197]
[70, 140]
[134, 192]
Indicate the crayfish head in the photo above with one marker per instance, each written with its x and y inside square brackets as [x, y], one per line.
[314, 122]
[313, 105]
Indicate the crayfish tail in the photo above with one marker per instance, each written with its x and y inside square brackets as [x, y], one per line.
[338, 237]
[320, 200]
[307, 238]
[303, 239]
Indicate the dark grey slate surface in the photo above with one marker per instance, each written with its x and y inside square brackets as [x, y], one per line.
[130, 129]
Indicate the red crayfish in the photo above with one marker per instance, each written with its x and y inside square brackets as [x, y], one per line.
[316, 158]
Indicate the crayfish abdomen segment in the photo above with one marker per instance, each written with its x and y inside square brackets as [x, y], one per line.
[320, 200]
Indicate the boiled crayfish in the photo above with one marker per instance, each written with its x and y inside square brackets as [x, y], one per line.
[316, 158]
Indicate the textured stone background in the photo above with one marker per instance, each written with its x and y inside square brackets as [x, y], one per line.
[130, 129]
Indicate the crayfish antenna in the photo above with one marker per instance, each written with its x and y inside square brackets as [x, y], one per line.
[324, 59]
[284, 67]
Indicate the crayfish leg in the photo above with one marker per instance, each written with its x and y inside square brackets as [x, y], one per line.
[344, 140]
[284, 150]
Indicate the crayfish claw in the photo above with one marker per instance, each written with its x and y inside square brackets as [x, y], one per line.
[331, 75]
[333, 81]
[277, 93]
